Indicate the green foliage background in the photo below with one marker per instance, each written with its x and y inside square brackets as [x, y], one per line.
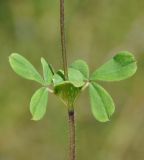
[96, 30]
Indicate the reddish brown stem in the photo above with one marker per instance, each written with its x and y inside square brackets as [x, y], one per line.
[65, 68]
[72, 154]
[63, 43]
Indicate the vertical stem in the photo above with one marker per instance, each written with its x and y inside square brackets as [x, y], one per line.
[72, 154]
[62, 28]
[64, 58]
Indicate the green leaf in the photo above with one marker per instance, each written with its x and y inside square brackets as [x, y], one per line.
[68, 90]
[82, 67]
[121, 66]
[75, 77]
[67, 93]
[46, 72]
[24, 68]
[102, 105]
[38, 103]
[57, 79]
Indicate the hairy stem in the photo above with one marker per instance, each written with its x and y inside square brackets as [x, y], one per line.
[72, 154]
[63, 43]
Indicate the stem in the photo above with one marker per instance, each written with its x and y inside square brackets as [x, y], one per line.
[65, 68]
[72, 154]
[62, 28]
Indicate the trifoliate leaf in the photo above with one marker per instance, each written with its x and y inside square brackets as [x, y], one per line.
[81, 66]
[24, 68]
[38, 103]
[121, 66]
[102, 105]
[46, 72]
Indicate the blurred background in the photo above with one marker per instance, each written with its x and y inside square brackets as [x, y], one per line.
[95, 31]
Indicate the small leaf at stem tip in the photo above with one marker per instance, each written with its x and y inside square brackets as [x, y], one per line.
[81, 66]
[46, 71]
[102, 104]
[24, 68]
[121, 66]
[38, 103]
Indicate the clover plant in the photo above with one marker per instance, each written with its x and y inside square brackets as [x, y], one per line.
[121, 66]
[68, 83]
